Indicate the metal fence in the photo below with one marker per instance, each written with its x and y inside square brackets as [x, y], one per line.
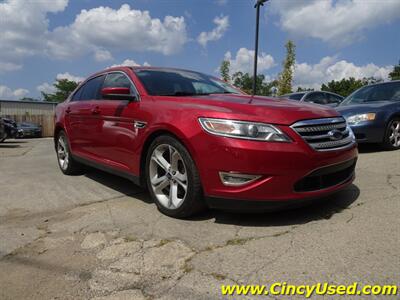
[30, 111]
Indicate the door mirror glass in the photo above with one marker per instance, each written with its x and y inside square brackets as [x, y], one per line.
[117, 93]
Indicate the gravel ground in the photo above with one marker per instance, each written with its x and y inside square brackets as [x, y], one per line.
[97, 236]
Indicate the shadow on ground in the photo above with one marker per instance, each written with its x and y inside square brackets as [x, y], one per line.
[323, 208]
[370, 148]
[9, 145]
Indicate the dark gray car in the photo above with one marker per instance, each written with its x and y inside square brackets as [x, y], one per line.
[318, 97]
[3, 134]
[27, 129]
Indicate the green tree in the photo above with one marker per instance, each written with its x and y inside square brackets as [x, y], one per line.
[345, 86]
[64, 88]
[300, 89]
[224, 70]
[395, 74]
[286, 76]
[245, 82]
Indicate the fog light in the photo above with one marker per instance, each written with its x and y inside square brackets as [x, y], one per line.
[237, 179]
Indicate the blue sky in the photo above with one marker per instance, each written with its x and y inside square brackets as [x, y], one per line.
[47, 39]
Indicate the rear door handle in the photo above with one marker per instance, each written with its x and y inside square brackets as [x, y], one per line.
[68, 110]
[96, 110]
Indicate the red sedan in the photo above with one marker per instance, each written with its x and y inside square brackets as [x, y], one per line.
[194, 141]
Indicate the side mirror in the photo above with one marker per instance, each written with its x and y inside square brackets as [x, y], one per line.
[117, 93]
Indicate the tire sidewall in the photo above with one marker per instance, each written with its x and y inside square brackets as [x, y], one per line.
[387, 144]
[193, 195]
[68, 170]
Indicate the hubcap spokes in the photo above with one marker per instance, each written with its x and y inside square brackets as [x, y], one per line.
[62, 153]
[394, 136]
[168, 176]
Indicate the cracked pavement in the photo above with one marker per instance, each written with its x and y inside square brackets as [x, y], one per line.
[97, 236]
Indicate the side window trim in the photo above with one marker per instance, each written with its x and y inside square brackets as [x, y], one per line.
[135, 90]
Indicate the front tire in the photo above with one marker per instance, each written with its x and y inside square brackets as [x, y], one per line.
[172, 178]
[66, 162]
[392, 135]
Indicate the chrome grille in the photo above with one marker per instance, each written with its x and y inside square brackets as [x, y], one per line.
[325, 134]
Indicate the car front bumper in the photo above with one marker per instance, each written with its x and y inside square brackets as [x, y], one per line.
[369, 132]
[283, 168]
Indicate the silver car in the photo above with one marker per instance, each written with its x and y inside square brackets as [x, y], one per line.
[318, 97]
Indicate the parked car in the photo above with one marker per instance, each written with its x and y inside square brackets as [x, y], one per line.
[373, 112]
[10, 129]
[194, 141]
[318, 97]
[2, 131]
[27, 129]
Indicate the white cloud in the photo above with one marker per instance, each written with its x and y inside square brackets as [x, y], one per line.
[47, 88]
[102, 55]
[118, 29]
[340, 22]
[24, 28]
[126, 63]
[7, 93]
[70, 77]
[130, 63]
[330, 68]
[245, 58]
[222, 24]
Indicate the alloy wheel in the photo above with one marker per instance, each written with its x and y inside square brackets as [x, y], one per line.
[394, 134]
[62, 152]
[168, 176]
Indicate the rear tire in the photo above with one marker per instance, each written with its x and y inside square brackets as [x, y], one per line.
[67, 164]
[172, 178]
[392, 135]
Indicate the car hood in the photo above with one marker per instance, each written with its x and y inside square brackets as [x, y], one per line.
[353, 109]
[257, 108]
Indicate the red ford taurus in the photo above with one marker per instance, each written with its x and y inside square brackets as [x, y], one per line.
[195, 142]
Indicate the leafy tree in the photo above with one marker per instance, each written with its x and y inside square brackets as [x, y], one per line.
[64, 88]
[300, 89]
[224, 70]
[245, 82]
[286, 76]
[345, 86]
[395, 74]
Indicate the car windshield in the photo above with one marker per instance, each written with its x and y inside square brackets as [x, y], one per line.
[160, 82]
[296, 96]
[389, 91]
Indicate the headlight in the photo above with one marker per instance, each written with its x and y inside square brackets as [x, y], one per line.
[353, 120]
[243, 130]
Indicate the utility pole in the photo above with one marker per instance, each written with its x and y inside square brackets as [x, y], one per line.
[257, 6]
